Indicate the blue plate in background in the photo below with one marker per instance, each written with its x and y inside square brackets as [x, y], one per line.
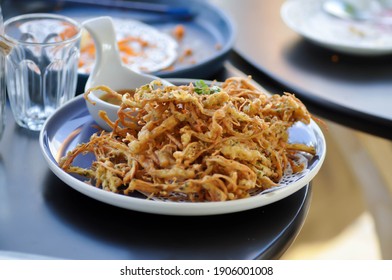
[209, 32]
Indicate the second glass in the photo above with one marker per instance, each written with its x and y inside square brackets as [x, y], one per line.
[42, 66]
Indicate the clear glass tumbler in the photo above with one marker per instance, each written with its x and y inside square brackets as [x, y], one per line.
[2, 94]
[2, 78]
[41, 68]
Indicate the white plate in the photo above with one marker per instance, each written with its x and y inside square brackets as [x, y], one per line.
[307, 18]
[71, 124]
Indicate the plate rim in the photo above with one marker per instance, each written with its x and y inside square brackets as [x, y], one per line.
[169, 208]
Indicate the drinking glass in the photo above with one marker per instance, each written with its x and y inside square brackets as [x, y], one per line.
[2, 95]
[2, 79]
[41, 67]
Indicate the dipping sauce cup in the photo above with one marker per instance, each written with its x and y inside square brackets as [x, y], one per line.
[42, 65]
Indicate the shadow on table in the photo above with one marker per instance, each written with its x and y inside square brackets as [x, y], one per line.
[332, 65]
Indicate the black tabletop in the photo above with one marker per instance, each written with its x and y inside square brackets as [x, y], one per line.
[39, 214]
[355, 91]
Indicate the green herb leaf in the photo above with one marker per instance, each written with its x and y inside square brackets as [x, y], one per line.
[202, 88]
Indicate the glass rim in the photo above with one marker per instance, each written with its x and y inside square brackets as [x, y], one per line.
[43, 16]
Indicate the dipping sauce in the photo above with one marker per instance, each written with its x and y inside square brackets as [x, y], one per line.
[115, 99]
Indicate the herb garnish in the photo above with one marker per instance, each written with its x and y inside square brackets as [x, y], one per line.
[202, 88]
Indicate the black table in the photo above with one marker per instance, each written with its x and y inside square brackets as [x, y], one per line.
[39, 214]
[351, 90]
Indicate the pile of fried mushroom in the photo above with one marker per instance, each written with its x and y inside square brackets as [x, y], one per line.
[194, 142]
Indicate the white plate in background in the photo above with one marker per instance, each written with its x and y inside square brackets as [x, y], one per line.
[307, 18]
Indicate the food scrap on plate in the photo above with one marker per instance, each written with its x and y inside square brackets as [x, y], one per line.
[141, 46]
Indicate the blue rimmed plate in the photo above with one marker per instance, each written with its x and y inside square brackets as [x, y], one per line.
[208, 38]
[71, 124]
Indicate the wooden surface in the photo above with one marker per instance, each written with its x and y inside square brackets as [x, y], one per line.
[351, 209]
